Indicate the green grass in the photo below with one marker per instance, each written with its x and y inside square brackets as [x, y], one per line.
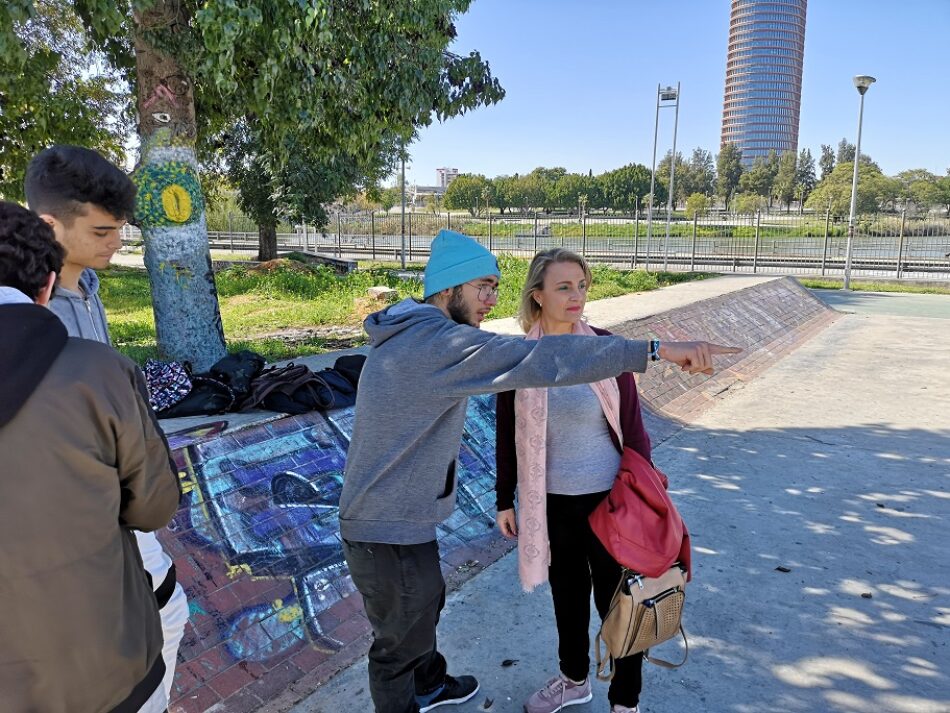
[862, 286]
[258, 304]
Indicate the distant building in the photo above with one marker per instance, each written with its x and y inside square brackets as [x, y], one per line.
[445, 176]
[764, 76]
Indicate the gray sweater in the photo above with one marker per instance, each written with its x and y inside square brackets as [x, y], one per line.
[400, 478]
[82, 312]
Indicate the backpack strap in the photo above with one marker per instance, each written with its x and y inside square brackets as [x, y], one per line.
[667, 664]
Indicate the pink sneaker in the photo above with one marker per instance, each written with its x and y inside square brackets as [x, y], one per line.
[558, 693]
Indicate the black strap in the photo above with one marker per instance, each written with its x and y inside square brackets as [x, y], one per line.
[167, 587]
[144, 690]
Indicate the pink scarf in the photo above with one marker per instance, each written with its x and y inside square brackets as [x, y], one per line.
[531, 417]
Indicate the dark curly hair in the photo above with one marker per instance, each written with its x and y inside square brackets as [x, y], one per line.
[60, 179]
[28, 250]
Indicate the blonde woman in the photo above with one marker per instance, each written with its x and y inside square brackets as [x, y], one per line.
[561, 446]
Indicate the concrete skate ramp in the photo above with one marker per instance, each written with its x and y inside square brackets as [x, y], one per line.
[256, 542]
[768, 320]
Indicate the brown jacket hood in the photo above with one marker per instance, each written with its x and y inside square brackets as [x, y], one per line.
[31, 338]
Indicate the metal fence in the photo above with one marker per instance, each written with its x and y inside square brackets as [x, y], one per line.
[893, 246]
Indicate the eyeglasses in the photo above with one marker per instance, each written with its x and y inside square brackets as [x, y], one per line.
[485, 292]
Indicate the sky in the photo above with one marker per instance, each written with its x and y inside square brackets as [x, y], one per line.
[581, 79]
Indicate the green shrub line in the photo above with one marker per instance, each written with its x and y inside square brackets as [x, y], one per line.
[256, 304]
[824, 283]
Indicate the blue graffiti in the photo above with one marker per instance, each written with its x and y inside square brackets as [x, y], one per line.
[270, 503]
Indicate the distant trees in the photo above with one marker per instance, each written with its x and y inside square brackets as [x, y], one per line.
[703, 181]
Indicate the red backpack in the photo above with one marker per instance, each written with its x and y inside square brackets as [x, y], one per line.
[637, 521]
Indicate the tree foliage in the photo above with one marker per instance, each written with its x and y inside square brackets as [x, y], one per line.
[696, 204]
[626, 188]
[54, 89]
[827, 160]
[805, 176]
[920, 189]
[875, 190]
[663, 171]
[729, 171]
[466, 193]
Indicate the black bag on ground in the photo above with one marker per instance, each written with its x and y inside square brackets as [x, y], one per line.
[208, 397]
[238, 371]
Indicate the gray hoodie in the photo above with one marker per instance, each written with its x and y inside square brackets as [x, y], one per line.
[399, 481]
[82, 312]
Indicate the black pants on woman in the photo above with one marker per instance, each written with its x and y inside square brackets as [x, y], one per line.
[579, 562]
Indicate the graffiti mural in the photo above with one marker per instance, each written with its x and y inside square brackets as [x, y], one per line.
[257, 540]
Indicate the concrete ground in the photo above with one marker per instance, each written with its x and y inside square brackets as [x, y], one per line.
[834, 464]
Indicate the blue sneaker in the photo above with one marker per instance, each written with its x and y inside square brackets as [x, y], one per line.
[453, 691]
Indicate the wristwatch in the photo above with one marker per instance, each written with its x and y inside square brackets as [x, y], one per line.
[654, 352]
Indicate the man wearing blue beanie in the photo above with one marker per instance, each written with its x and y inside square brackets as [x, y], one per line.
[426, 359]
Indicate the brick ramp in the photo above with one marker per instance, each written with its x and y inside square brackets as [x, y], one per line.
[256, 542]
[767, 321]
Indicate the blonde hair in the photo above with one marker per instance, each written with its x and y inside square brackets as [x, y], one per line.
[529, 311]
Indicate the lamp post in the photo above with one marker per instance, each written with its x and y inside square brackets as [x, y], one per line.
[663, 94]
[669, 197]
[403, 209]
[862, 82]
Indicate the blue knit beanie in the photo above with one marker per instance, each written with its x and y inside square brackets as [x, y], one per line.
[454, 259]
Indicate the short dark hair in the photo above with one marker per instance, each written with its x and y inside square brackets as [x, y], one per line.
[61, 178]
[28, 250]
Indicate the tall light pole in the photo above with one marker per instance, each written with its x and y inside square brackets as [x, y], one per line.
[403, 211]
[862, 83]
[663, 94]
[669, 197]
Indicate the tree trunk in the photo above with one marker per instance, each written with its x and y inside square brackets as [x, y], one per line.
[267, 242]
[170, 206]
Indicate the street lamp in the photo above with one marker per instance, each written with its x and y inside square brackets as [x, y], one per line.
[663, 94]
[862, 82]
[402, 212]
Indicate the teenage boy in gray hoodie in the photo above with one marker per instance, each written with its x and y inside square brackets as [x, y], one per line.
[426, 360]
[87, 200]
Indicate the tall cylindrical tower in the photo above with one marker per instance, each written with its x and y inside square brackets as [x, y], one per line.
[764, 76]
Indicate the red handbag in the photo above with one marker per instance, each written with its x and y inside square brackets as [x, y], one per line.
[637, 522]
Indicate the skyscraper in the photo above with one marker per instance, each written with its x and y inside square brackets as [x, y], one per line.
[764, 76]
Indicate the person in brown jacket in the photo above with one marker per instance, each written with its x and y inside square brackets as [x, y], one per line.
[82, 464]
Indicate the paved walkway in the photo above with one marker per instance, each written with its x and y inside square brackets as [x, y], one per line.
[835, 465]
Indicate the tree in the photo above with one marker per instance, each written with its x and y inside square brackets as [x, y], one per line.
[506, 192]
[786, 179]
[846, 151]
[54, 89]
[696, 204]
[834, 191]
[626, 188]
[827, 160]
[335, 84]
[729, 171]
[805, 176]
[700, 173]
[944, 185]
[388, 197]
[749, 203]
[663, 176]
[919, 187]
[760, 178]
[465, 193]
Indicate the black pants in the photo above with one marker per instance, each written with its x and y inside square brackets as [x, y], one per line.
[578, 562]
[403, 593]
